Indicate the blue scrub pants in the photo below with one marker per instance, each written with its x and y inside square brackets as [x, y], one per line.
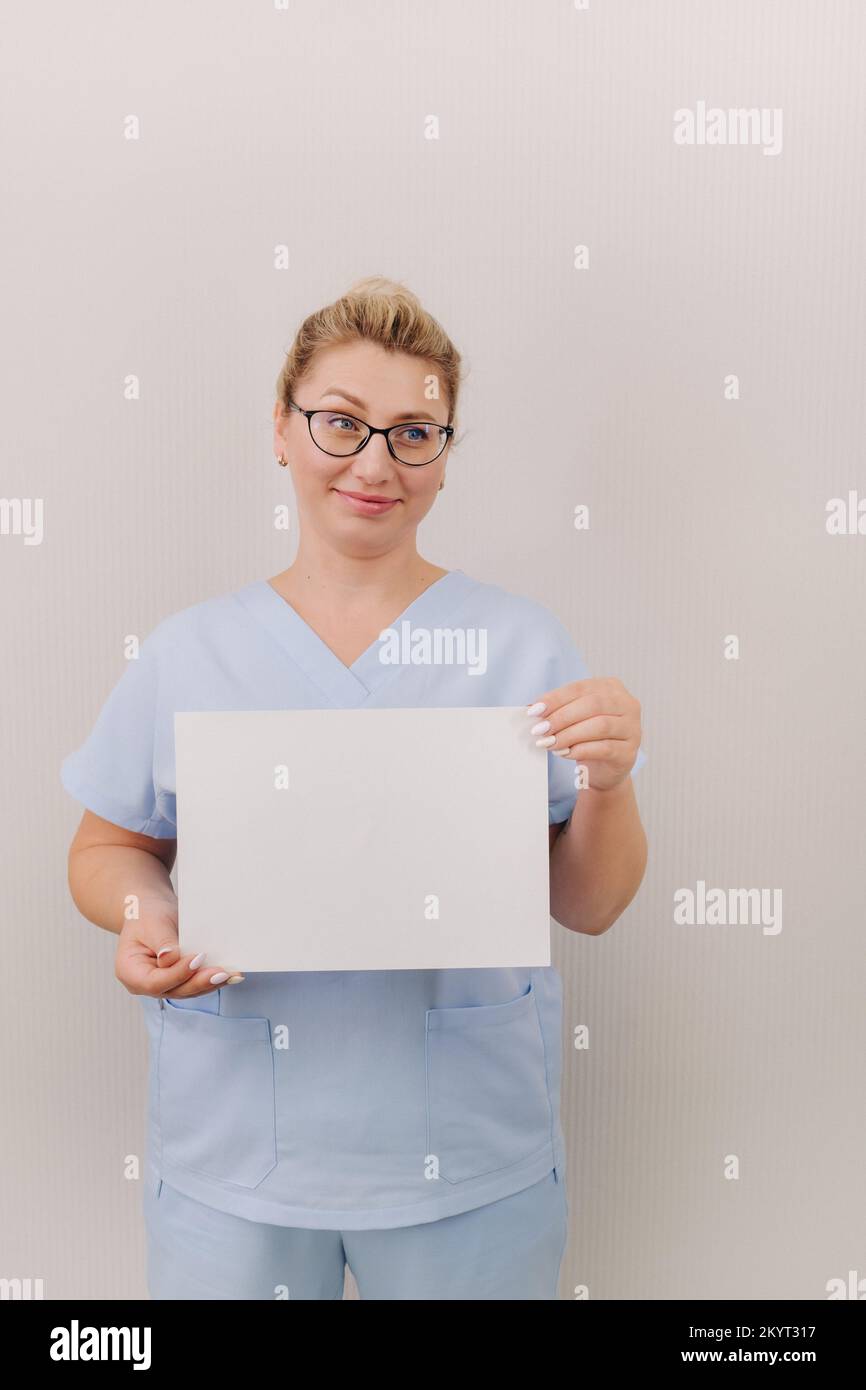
[510, 1249]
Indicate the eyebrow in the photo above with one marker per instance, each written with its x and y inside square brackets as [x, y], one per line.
[406, 415]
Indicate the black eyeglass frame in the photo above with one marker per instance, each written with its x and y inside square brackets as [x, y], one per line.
[371, 430]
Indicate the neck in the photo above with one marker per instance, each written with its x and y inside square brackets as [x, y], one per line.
[320, 569]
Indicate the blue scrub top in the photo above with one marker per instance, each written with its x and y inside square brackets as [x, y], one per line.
[348, 1099]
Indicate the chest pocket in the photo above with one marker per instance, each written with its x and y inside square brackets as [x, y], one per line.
[216, 1096]
[488, 1105]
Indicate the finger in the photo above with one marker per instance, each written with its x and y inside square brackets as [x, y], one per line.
[168, 955]
[565, 730]
[136, 968]
[570, 710]
[157, 933]
[205, 981]
[589, 752]
[551, 700]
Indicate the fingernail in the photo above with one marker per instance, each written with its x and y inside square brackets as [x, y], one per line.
[163, 949]
[545, 742]
[219, 979]
[234, 979]
[540, 728]
[538, 708]
[196, 961]
[560, 752]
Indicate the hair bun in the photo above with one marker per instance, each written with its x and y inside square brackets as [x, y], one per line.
[372, 286]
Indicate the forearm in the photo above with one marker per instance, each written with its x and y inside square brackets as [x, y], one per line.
[102, 878]
[598, 860]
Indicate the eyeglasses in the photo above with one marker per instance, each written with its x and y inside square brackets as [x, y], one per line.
[416, 442]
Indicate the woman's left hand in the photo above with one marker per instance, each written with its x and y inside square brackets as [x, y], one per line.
[594, 721]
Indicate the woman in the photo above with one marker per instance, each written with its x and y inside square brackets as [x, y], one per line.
[411, 1128]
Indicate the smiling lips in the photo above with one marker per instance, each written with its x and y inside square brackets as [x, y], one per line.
[367, 504]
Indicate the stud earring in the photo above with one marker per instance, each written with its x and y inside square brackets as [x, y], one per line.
[442, 484]
[282, 462]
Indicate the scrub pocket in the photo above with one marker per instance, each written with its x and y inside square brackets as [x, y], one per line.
[487, 1100]
[216, 1096]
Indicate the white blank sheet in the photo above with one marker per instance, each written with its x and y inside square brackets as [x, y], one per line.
[363, 839]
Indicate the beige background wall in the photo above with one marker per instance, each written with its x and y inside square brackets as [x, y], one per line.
[305, 127]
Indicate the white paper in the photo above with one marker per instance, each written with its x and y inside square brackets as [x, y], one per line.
[404, 839]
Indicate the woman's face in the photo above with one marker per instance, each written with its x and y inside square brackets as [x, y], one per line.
[388, 388]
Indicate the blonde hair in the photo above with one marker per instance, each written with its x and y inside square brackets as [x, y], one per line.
[378, 311]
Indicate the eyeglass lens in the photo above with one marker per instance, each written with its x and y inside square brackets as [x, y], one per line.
[417, 442]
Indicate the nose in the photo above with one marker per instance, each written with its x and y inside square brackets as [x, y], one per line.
[374, 464]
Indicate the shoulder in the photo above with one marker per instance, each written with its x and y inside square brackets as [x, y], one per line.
[202, 622]
[528, 617]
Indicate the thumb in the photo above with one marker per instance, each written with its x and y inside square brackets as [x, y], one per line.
[157, 931]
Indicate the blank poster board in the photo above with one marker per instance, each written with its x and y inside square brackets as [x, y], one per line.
[363, 839]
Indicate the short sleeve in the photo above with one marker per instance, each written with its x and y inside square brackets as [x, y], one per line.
[112, 773]
[568, 664]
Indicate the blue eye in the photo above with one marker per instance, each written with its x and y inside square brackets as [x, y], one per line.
[415, 434]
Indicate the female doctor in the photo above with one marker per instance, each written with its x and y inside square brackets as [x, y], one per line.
[412, 1127]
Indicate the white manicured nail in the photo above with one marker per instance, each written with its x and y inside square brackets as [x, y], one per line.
[561, 752]
[197, 961]
[545, 742]
[538, 708]
[235, 979]
[219, 979]
[541, 727]
[163, 950]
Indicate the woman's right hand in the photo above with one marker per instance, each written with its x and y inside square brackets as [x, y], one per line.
[148, 959]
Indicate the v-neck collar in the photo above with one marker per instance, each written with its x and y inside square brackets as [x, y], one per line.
[343, 685]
